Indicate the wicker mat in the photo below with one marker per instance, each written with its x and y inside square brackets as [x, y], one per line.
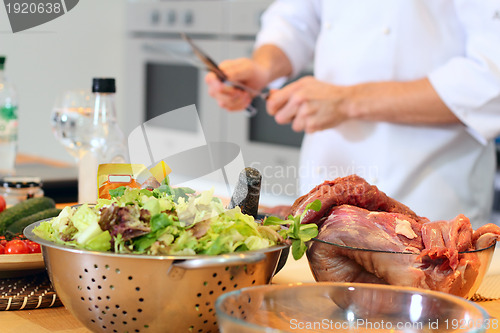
[489, 289]
[30, 292]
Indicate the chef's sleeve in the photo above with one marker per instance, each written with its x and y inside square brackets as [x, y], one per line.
[470, 84]
[293, 26]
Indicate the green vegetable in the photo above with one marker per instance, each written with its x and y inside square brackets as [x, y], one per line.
[19, 225]
[23, 209]
[299, 233]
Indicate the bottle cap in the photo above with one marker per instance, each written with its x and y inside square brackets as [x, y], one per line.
[2, 62]
[103, 85]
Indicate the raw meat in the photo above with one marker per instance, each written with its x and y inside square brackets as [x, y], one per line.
[351, 190]
[372, 222]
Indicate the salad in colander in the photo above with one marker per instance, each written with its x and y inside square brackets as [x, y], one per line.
[170, 221]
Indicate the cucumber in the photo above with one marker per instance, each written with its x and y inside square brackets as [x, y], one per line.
[23, 209]
[18, 226]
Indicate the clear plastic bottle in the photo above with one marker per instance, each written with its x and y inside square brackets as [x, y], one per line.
[108, 144]
[8, 123]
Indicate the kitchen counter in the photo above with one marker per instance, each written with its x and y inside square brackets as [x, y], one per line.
[60, 320]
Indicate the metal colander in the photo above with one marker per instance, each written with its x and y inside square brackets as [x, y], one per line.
[111, 292]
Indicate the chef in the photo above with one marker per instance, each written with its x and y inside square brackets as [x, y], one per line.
[406, 93]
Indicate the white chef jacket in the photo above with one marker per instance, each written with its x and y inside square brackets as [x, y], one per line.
[438, 171]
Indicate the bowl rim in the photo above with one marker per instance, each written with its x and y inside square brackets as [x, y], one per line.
[347, 285]
[393, 252]
[29, 233]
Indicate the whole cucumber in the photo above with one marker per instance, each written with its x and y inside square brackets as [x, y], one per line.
[23, 209]
[18, 226]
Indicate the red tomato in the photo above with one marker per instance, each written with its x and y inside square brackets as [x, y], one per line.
[16, 246]
[3, 241]
[3, 204]
[33, 247]
[2, 249]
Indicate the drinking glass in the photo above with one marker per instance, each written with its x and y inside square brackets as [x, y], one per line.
[72, 125]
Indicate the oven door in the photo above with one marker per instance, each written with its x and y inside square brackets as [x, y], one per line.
[162, 77]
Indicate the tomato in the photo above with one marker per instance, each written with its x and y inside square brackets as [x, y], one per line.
[2, 249]
[3, 204]
[16, 246]
[33, 247]
[3, 241]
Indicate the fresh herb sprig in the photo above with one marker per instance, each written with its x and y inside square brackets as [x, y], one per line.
[297, 232]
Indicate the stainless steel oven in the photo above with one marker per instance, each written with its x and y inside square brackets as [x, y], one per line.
[161, 77]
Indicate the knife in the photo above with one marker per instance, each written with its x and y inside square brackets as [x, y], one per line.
[214, 68]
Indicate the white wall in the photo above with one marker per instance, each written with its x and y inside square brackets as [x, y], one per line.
[67, 52]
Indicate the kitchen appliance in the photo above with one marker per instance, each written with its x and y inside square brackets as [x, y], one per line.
[161, 78]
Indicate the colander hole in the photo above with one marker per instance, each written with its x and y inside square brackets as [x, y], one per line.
[79, 287]
[99, 298]
[231, 277]
[219, 283]
[130, 278]
[115, 331]
[210, 310]
[235, 286]
[99, 287]
[137, 288]
[88, 287]
[146, 326]
[103, 326]
[111, 287]
[223, 288]
[93, 280]
[134, 319]
[211, 292]
[227, 268]
[139, 310]
[141, 299]
[114, 315]
[191, 328]
[117, 271]
[205, 283]
[82, 298]
[86, 270]
[106, 266]
[89, 309]
[95, 266]
[92, 320]
[108, 297]
[207, 303]
[249, 299]
[136, 330]
[117, 306]
[107, 307]
[80, 277]
[205, 321]
[90, 298]
[253, 282]
[124, 312]
[103, 312]
[200, 315]
[214, 275]
[99, 318]
[104, 277]
[200, 330]
[96, 306]
[197, 307]
[198, 295]
[239, 307]
[112, 322]
[124, 322]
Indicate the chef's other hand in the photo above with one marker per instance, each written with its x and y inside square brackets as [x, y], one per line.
[309, 104]
[242, 70]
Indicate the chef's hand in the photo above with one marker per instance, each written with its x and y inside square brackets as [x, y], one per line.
[242, 70]
[310, 105]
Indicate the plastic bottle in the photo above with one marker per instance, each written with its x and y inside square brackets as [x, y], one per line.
[108, 144]
[8, 123]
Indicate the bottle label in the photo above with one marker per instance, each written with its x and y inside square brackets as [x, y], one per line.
[8, 123]
[8, 112]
